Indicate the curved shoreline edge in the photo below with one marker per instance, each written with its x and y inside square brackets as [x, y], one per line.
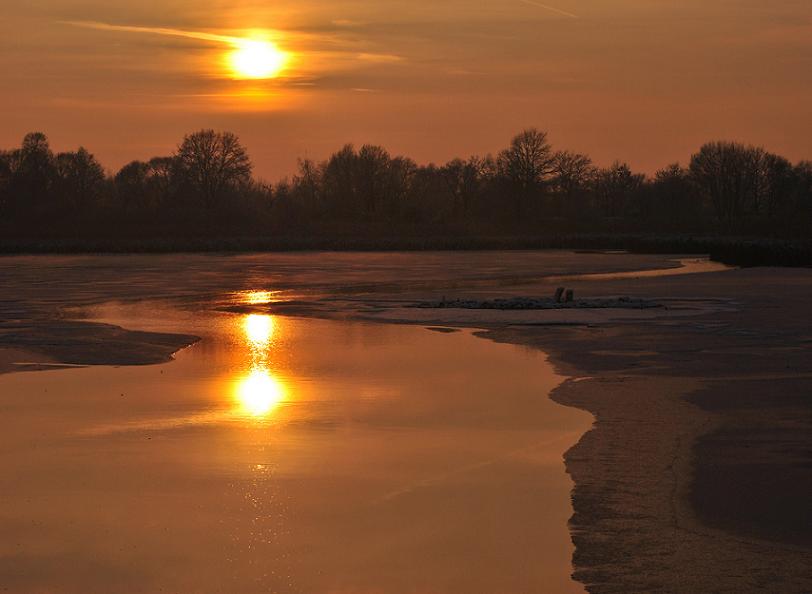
[646, 518]
[54, 344]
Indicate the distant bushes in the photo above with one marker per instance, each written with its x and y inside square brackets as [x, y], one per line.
[526, 195]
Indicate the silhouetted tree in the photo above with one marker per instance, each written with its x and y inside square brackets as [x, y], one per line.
[5, 180]
[212, 164]
[309, 183]
[397, 185]
[161, 174]
[372, 163]
[728, 187]
[801, 215]
[616, 187]
[147, 186]
[777, 187]
[429, 200]
[729, 175]
[463, 180]
[131, 187]
[340, 175]
[32, 175]
[573, 173]
[526, 165]
[573, 176]
[675, 199]
[79, 179]
[368, 182]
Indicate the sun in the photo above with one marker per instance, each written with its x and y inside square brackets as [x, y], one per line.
[257, 59]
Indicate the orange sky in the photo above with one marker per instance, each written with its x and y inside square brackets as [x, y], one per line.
[645, 81]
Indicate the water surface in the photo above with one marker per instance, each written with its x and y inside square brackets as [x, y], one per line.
[289, 455]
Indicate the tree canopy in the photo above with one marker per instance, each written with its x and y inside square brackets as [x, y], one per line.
[529, 187]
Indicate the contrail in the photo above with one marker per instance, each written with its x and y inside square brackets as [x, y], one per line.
[157, 31]
[551, 8]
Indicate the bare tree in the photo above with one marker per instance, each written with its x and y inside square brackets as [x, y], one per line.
[80, 177]
[572, 172]
[803, 196]
[162, 174]
[32, 174]
[131, 186]
[778, 184]
[340, 175]
[35, 152]
[616, 187]
[309, 181]
[728, 174]
[372, 167]
[213, 163]
[463, 179]
[527, 165]
[400, 174]
[5, 178]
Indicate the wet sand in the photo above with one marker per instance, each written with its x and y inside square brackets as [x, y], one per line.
[696, 476]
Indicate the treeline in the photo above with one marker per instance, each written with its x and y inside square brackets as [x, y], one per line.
[528, 189]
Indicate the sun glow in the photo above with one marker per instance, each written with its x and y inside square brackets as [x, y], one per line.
[257, 297]
[259, 331]
[257, 59]
[259, 393]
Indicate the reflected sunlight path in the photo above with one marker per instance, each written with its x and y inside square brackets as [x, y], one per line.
[291, 454]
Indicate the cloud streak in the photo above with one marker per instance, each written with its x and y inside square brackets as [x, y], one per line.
[362, 56]
[550, 8]
[228, 39]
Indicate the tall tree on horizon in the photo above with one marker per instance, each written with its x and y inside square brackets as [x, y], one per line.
[729, 175]
[212, 163]
[79, 179]
[527, 165]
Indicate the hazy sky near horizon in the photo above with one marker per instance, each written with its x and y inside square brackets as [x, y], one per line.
[645, 81]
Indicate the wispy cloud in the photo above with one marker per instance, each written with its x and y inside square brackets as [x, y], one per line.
[338, 46]
[380, 58]
[550, 8]
[202, 35]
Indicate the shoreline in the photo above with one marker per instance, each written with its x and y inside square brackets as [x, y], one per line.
[697, 520]
[731, 250]
[633, 524]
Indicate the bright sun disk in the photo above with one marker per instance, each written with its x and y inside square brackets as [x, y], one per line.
[257, 59]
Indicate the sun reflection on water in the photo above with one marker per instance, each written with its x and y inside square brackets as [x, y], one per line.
[259, 392]
[257, 297]
[259, 330]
